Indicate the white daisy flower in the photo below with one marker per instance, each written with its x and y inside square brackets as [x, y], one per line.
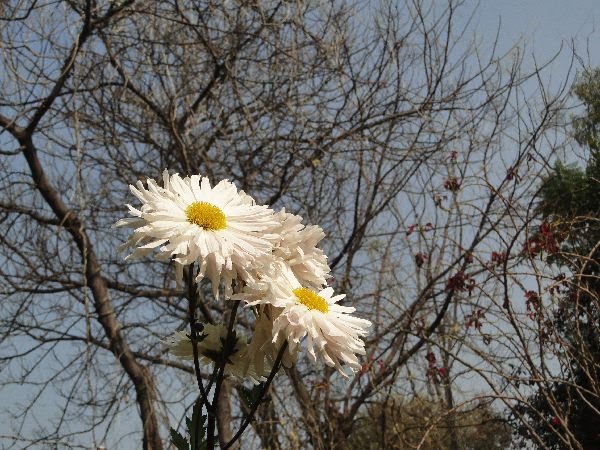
[218, 227]
[298, 248]
[210, 350]
[332, 333]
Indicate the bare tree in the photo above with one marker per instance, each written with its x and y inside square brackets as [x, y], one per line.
[414, 150]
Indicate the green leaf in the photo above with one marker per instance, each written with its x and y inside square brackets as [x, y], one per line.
[251, 396]
[178, 440]
[196, 428]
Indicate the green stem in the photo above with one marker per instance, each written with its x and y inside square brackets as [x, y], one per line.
[192, 296]
[220, 367]
[274, 370]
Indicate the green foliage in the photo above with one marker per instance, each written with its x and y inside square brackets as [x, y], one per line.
[570, 196]
[178, 440]
[567, 410]
[570, 200]
[564, 192]
[587, 126]
[196, 431]
[252, 395]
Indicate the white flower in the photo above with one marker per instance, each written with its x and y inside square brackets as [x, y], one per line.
[220, 228]
[210, 350]
[331, 332]
[298, 248]
[262, 350]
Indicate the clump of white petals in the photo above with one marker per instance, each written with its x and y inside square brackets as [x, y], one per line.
[332, 333]
[238, 364]
[298, 248]
[223, 254]
[262, 349]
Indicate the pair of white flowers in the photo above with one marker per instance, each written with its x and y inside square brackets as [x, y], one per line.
[272, 257]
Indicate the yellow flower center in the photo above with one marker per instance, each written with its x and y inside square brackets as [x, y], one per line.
[206, 215]
[311, 300]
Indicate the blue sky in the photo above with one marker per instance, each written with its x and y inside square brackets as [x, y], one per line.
[542, 26]
[563, 33]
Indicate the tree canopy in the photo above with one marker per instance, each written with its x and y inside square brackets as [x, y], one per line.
[566, 411]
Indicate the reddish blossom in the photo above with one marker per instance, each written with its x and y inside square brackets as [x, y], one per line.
[434, 373]
[548, 239]
[498, 258]
[468, 258]
[430, 357]
[431, 366]
[452, 184]
[474, 319]
[510, 173]
[420, 258]
[460, 282]
[411, 229]
[533, 304]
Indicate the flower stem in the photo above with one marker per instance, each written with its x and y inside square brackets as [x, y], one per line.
[220, 366]
[192, 296]
[274, 370]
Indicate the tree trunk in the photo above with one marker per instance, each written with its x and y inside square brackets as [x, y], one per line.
[224, 415]
[105, 315]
